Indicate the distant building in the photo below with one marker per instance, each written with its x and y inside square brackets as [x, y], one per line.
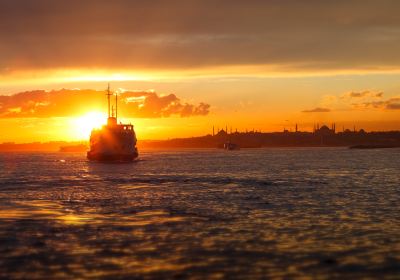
[325, 131]
[222, 133]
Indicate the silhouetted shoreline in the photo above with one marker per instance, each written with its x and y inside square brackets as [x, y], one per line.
[323, 137]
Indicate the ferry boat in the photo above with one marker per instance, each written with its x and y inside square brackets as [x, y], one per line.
[113, 141]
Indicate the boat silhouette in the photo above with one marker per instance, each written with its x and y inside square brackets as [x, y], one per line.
[113, 141]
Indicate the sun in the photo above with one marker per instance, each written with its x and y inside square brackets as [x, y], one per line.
[82, 126]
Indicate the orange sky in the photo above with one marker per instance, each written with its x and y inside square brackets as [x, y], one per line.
[183, 66]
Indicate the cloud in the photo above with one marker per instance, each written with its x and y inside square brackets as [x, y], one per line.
[362, 94]
[389, 104]
[317, 110]
[129, 34]
[72, 102]
[150, 105]
[358, 100]
[393, 105]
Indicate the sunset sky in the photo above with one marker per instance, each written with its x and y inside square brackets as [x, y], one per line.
[181, 67]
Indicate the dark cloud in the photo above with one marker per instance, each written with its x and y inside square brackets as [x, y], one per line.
[363, 94]
[393, 106]
[389, 104]
[370, 100]
[67, 102]
[317, 110]
[307, 35]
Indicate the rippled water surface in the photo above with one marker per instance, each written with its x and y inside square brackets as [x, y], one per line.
[265, 213]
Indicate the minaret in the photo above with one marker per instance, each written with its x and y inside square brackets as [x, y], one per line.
[213, 131]
[296, 128]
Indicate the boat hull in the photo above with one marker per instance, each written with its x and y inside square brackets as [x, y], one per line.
[111, 157]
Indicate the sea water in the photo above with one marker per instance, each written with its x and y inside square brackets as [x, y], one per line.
[257, 213]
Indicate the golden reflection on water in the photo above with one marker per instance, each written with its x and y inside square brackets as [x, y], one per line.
[30, 210]
[52, 210]
[59, 212]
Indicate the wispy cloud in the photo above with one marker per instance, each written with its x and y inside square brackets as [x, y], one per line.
[357, 100]
[362, 94]
[389, 104]
[393, 105]
[72, 102]
[317, 110]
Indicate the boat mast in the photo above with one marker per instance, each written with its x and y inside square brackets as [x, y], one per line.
[116, 105]
[108, 98]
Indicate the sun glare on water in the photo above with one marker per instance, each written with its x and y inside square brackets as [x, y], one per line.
[82, 126]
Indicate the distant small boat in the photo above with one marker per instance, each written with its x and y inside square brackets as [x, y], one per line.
[231, 146]
[377, 146]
